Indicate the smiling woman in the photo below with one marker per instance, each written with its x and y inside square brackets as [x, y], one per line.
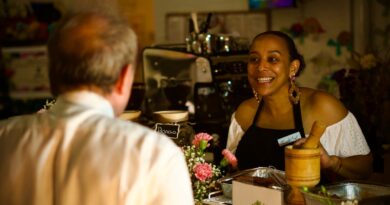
[280, 109]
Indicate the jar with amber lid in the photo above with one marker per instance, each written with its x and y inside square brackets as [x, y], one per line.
[131, 115]
[174, 124]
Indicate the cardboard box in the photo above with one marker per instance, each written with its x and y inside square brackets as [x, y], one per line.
[249, 194]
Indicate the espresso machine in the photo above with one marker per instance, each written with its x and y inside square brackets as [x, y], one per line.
[209, 87]
[170, 77]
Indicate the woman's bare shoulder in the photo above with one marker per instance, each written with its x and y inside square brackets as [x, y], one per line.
[324, 106]
[246, 112]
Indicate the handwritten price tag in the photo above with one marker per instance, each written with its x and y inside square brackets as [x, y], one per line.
[170, 130]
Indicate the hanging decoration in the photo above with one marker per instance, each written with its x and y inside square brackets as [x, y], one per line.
[296, 31]
[310, 26]
[323, 62]
[343, 39]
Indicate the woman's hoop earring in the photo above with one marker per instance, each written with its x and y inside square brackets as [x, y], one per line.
[256, 95]
[294, 93]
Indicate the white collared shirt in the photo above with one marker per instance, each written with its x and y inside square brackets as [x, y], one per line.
[78, 153]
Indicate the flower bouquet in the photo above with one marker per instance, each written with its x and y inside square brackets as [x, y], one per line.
[204, 175]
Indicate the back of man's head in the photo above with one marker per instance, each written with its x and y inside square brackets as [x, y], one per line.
[89, 50]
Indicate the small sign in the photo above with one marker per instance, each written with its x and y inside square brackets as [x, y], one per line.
[289, 138]
[27, 70]
[171, 130]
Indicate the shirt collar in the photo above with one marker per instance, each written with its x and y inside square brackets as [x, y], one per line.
[85, 99]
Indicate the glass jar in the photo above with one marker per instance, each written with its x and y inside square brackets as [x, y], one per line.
[174, 124]
[131, 115]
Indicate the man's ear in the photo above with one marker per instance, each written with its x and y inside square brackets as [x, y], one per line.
[125, 79]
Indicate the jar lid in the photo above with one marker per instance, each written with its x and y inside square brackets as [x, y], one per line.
[130, 115]
[170, 116]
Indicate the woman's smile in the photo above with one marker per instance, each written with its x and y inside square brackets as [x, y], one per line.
[263, 80]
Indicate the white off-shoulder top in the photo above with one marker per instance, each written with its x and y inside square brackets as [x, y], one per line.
[343, 139]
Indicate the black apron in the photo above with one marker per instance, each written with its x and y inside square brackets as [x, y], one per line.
[259, 147]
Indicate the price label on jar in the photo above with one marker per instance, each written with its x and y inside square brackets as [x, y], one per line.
[171, 130]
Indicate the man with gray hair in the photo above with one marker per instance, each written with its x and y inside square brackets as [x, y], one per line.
[78, 152]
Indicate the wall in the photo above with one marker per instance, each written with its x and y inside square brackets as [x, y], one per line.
[333, 15]
[163, 7]
[140, 14]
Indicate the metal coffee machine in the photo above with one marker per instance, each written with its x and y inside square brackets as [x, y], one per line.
[209, 87]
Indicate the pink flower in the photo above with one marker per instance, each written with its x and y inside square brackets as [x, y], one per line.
[203, 171]
[201, 136]
[231, 159]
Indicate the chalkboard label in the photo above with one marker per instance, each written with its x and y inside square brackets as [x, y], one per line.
[170, 130]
